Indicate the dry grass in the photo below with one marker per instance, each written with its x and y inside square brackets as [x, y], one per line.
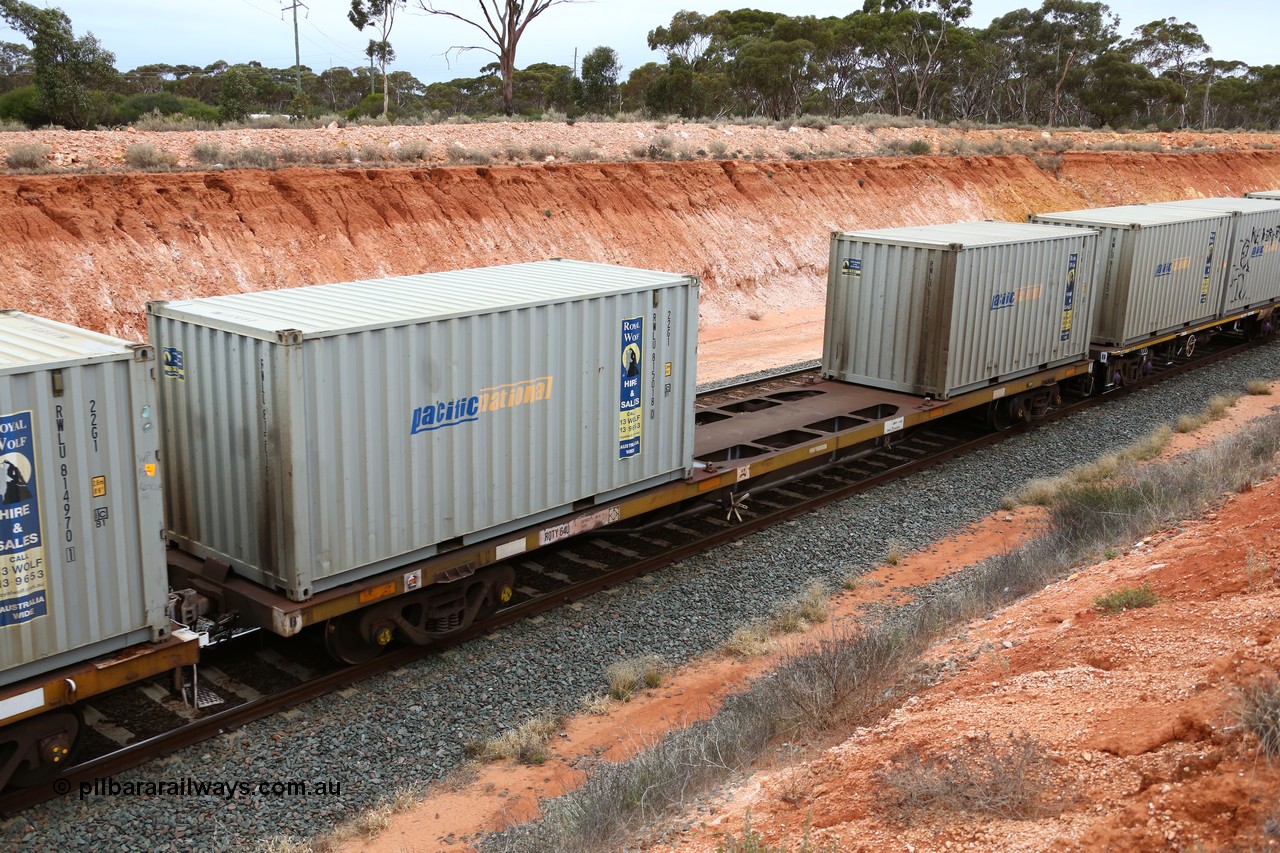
[810, 607]
[1258, 709]
[749, 641]
[1043, 491]
[1009, 779]
[628, 676]
[526, 743]
[1215, 411]
[1259, 387]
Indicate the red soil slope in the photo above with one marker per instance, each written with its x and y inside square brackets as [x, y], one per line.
[93, 249]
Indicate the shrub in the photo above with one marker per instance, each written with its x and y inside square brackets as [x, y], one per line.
[1259, 387]
[413, 151]
[583, 153]
[28, 156]
[144, 155]
[207, 153]
[473, 156]
[1258, 708]
[543, 150]
[1126, 598]
[23, 105]
[372, 152]
[328, 156]
[253, 157]
[1052, 164]
[290, 155]
[982, 776]
[918, 147]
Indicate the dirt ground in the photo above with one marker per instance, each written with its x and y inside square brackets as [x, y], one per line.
[1136, 709]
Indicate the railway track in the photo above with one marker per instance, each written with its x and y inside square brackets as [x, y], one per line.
[259, 675]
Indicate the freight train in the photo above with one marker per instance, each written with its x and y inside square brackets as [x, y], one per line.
[364, 460]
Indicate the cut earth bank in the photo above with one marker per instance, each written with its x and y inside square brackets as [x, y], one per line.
[92, 249]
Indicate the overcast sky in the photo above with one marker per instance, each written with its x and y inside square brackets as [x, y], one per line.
[200, 32]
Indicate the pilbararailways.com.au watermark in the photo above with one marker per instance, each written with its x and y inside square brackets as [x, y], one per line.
[227, 789]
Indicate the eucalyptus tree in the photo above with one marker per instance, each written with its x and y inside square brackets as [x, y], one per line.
[503, 24]
[72, 74]
[379, 15]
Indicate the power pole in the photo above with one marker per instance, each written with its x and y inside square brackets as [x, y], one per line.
[297, 48]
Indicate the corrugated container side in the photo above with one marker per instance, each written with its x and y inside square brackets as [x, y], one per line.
[1003, 310]
[82, 563]
[317, 460]
[1153, 278]
[1250, 251]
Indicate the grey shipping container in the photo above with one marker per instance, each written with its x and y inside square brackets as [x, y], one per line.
[318, 435]
[944, 309]
[1159, 269]
[82, 563]
[1272, 194]
[1249, 251]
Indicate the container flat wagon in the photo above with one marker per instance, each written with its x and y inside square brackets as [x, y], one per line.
[82, 556]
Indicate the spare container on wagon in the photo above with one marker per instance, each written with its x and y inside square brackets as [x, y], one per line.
[82, 554]
[1271, 194]
[943, 309]
[1156, 268]
[318, 435]
[1249, 251]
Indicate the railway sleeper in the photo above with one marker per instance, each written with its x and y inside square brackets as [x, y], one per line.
[418, 618]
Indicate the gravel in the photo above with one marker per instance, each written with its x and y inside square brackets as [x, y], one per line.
[413, 725]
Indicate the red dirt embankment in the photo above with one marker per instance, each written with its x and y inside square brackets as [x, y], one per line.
[93, 249]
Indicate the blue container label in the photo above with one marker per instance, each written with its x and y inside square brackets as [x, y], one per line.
[630, 404]
[23, 579]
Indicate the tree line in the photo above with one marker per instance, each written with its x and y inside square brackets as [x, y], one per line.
[1064, 63]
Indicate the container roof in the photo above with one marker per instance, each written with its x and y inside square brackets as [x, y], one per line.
[374, 303]
[1234, 205]
[1130, 215]
[1265, 194]
[962, 234]
[28, 342]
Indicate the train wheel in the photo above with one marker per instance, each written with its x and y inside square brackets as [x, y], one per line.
[1007, 412]
[1189, 345]
[347, 640]
[35, 751]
